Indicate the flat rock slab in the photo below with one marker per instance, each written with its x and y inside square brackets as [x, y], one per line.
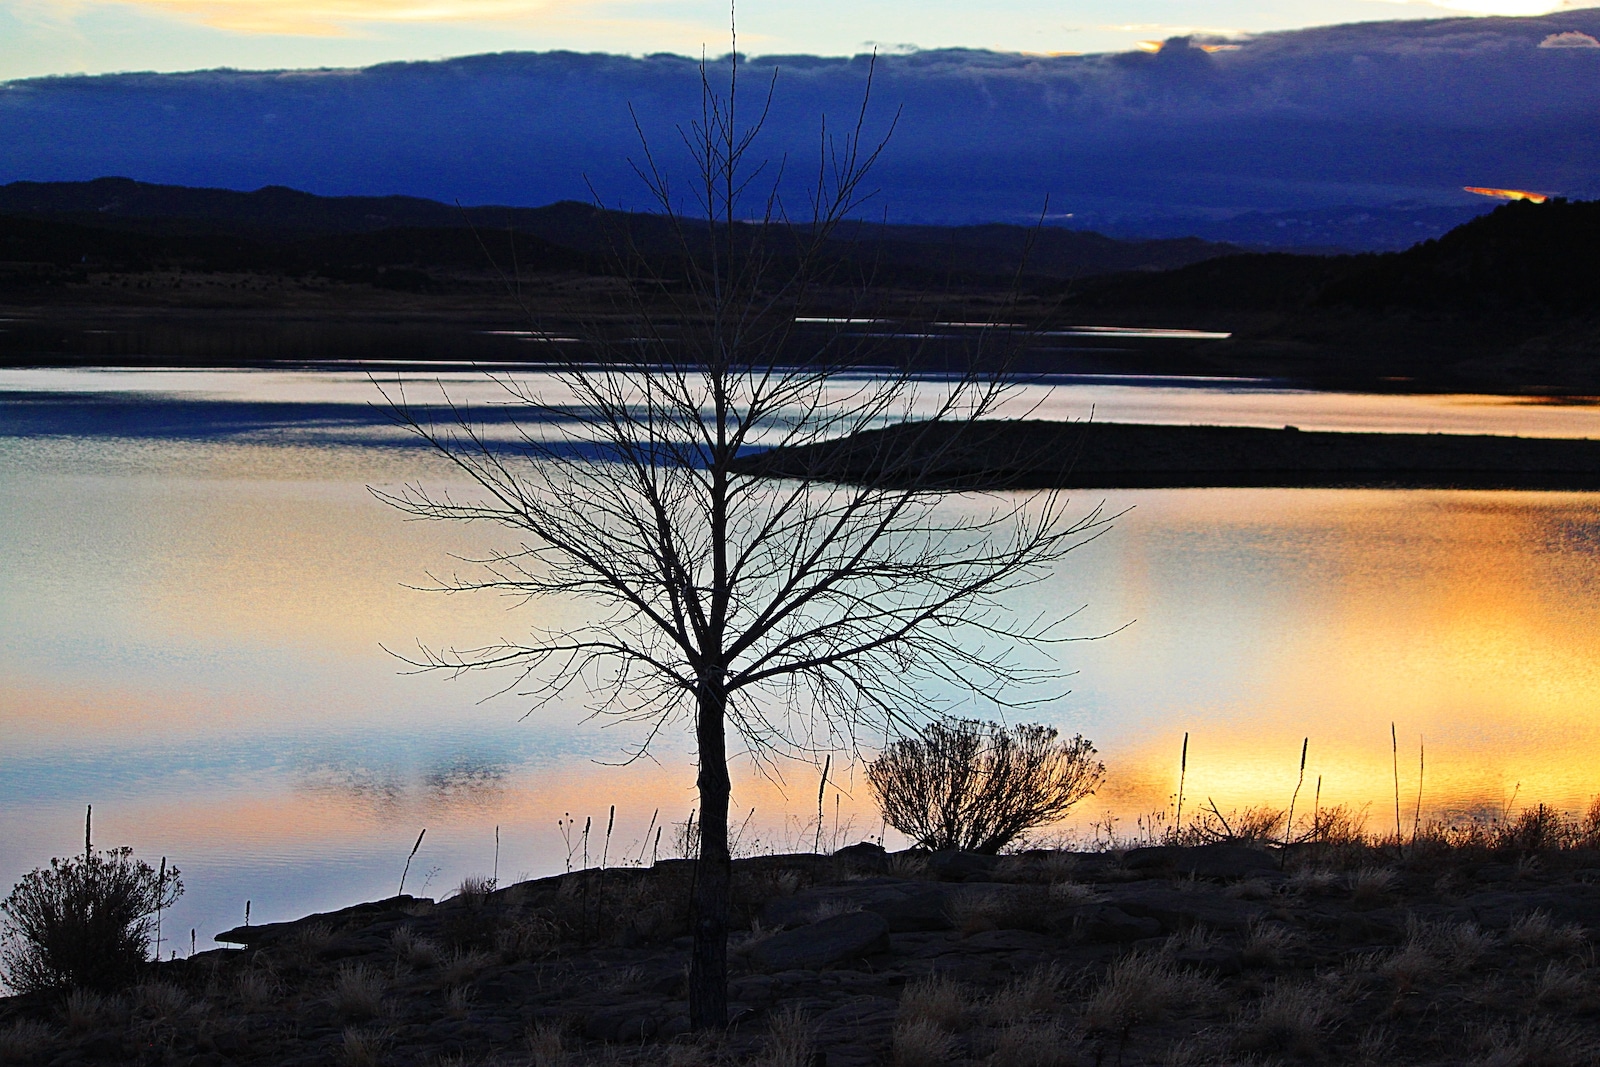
[1567, 904]
[1177, 909]
[951, 866]
[1227, 863]
[390, 910]
[906, 906]
[828, 943]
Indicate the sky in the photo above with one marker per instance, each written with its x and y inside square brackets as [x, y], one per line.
[42, 37]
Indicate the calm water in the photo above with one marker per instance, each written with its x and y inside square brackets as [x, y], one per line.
[198, 590]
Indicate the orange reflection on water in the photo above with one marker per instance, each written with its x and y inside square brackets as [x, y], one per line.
[1470, 621]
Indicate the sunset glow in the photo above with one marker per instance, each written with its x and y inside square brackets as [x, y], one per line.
[320, 17]
[1507, 194]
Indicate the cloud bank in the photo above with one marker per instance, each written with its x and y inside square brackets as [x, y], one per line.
[1369, 113]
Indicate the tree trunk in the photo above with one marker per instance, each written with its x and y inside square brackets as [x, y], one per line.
[708, 961]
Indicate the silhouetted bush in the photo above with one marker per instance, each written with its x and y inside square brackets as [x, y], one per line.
[83, 922]
[979, 786]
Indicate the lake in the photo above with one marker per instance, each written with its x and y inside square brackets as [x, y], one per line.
[199, 592]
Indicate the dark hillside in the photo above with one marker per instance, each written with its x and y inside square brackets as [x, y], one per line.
[1266, 281]
[1522, 258]
[987, 254]
[1507, 301]
[273, 211]
[28, 241]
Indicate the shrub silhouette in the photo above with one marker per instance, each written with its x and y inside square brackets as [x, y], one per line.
[979, 786]
[83, 922]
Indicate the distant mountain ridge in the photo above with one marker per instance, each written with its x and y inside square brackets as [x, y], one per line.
[240, 228]
[1354, 120]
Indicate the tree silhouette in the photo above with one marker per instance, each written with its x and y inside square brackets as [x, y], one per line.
[801, 614]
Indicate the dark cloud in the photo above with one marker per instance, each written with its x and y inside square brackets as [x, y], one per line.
[1361, 114]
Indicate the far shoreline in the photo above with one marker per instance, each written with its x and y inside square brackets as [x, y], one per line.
[1038, 454]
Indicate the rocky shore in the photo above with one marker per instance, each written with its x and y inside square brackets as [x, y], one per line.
[1219, 954]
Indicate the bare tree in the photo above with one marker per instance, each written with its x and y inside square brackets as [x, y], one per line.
[979, 786]
[800, 614]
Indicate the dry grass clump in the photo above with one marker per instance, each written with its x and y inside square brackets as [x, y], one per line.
[159, 1000]
[24, 1040]
[828, 907]
[1266, 944]
[255, 988]
[1430, 948]
[309, 941]
[976, 910]
[1059, 866]
[357, 992]
[1026, 994]
[1251, 889]
[85, 1010]
[364, 1048]
[463, 966]
[414, 951]
[1371, 885]
[1289, 1018]
[1540, 933]
[1259, 825]
[1034, 1044]
[620, 980]
[1196, 938]
[457, 1002]
[1375, 1048]
[547, 1045]
[526, 939]
[920, 1043]
[1460, 944]
[474, 889]
[791, 1040]
[1559, 984]
[907, 865]
[973, 911]
[938, 1001]
[1538, 1042]
[1072, 894]
[1312, 881]
[1142, 987]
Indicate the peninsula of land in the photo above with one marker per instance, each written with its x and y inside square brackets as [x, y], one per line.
[1037, 454]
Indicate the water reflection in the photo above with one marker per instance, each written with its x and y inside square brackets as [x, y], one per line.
[342, 406]
[193, 641]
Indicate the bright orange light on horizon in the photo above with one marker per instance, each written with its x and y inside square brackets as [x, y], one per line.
[1507, 194]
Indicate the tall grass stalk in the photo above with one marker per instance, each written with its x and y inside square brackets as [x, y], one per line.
[403, 871]
[1288, 825]
[1394, 748]
[822, 789]
[1416, 820]
[161, 884]
[605, 852]
[645, 843]
[1183, 773]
